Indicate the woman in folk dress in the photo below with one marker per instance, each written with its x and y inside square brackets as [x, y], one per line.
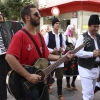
[71, 67]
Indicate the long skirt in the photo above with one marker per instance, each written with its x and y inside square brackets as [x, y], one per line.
[71, 67]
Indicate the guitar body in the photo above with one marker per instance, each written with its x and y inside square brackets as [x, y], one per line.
[17, 84]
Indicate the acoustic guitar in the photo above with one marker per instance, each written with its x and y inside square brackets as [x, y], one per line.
[16, 82]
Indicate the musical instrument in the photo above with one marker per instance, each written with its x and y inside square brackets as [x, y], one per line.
[41, 68]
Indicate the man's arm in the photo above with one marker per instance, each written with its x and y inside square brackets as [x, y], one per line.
[85, 54]
[81, 53]
[17, 67]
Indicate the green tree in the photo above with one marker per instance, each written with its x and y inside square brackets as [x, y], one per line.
[4, 10]
[12, 8]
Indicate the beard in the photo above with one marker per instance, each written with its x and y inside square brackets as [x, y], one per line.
[34, 22]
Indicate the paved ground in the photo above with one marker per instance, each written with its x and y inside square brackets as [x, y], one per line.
[69, 95]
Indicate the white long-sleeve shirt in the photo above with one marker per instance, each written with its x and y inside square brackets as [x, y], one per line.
[84, 72]
[57, 39]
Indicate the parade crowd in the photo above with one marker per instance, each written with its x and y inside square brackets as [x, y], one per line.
[54, 52]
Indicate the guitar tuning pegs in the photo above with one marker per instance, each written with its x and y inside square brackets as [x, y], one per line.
[88, 45]
[87, 40]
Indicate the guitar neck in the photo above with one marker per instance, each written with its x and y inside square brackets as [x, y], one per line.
[50, 68]
[77, 49]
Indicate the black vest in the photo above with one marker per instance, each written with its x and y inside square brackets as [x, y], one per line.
[52, 42]
[89, 63]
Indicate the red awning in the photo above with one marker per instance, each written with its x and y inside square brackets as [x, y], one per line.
[50, 3]
[74, 5]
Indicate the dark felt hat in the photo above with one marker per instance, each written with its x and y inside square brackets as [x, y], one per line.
[93, 20]
[54, 21]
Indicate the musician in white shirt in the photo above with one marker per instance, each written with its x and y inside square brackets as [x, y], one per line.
[88, 58]
[55, 42]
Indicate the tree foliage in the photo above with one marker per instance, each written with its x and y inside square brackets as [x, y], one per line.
[4, 10]
[12, 8]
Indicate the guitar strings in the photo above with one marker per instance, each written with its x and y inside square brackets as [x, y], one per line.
[47, 70]
[29, 84]
[50, 68]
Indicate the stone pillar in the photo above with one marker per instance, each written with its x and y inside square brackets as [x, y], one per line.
[41, 22]
[80, 22]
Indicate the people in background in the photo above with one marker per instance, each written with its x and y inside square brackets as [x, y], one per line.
[71, 67]
[55, 42]
[89, 58]
[45, 29]
[4, 43]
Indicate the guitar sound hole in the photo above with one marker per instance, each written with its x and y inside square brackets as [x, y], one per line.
[39, 72]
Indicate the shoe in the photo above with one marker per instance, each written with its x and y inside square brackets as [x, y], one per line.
[61, 97]
[74, 87]
[50, 91]
[69, 88]
[96, 89]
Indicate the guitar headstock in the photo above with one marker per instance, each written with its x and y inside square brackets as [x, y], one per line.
[87, 41]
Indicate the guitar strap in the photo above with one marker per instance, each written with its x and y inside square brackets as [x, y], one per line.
[40, 54]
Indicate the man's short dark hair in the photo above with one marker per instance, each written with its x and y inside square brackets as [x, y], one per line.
[26, 11]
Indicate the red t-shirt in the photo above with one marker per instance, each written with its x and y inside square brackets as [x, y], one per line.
[24, 50]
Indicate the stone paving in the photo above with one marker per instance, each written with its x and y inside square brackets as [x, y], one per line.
[69, 95]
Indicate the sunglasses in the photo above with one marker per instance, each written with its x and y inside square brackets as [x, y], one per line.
[37, 14]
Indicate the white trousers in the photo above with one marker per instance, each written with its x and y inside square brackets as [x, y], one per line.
[88, 86]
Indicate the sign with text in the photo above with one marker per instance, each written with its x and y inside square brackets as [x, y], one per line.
[74, 14]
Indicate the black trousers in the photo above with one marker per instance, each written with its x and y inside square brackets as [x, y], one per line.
[3, 73]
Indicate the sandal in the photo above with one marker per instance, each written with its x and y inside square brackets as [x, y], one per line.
[69, 88]
[50, 91]
[74, 87]
[61, 97]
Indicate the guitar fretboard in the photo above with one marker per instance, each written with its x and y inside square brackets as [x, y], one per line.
[50, 68]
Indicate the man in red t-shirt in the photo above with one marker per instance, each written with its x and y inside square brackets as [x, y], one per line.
[23, 51]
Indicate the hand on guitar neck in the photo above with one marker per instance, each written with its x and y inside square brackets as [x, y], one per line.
[69, 55]
[86, 42]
